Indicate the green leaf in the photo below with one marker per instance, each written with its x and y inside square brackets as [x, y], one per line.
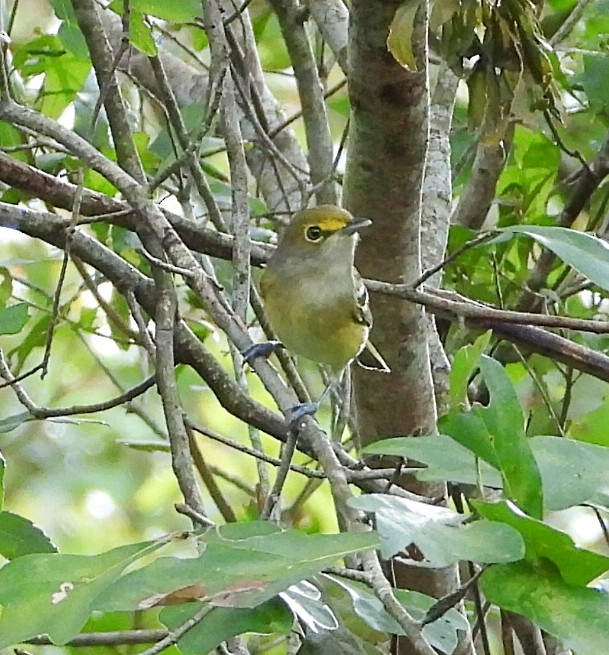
[572, 471]
[2, 469]
[64, 78]
[63, 10]
[242, 565]
[445, 458]
[576, 616]
[14, 318]
[477, 91]
[438, 533]
[73, 40]
[465, 363]
[594, 81]
[6, 286]
[19, 536]
[11, 422]
[141, 35]
[576, 565]
[584, 252]
[505, 422]
[442, 633]
[177, 12]
[163, 147]
[10, 136]
[146, 446]
[223, 623]
[307, 604]
[470, 430]
[142, 142]
[340, 641]
[54, 594]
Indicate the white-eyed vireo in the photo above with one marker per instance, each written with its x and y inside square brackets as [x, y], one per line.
[314, 298]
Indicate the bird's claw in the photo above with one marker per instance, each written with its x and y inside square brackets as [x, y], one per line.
[260, 350]
[298, 412]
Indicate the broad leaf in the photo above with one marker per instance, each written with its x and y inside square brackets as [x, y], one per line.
[338, 642]
[223, 623]
[179, 12]
[444, 458]
[54, 594]
[576, 616]
[141, 35]
[465, 363]
[586, 253]
[399, 41]
[242, 565]
[13, 318]
[505, 422]
[576, 565]
[470, 430]
[19, 536]
[441, 634]
[573, 472]
[304, 599]
[438, 533]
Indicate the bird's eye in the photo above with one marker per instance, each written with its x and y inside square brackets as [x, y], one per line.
[313, 233]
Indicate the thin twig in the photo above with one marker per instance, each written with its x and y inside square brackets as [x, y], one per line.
[482, 238]
[175, 635]
[112, 638]
[273, 497]
[569, 23]
[207, 477]
[50, 412]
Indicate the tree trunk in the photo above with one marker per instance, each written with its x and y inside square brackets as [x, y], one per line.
[387, 149]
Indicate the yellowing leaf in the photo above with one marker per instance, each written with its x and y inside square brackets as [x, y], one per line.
[399, 41]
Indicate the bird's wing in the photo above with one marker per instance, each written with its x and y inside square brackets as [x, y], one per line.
[369, 358]
[362, 312]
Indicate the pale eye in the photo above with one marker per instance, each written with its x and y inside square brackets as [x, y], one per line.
[313, 233]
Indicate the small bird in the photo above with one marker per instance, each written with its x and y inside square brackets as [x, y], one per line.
[314, 297]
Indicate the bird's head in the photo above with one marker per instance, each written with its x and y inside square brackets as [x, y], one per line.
[322, 232]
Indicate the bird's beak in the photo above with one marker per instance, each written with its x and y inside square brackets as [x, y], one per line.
[355, 226]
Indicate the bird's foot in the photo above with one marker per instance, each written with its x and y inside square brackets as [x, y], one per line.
[260, 350]
[298, 412]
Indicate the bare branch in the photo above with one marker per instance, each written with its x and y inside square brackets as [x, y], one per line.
[52, 412]
[332, 20]
[312, 102]
[114, 638]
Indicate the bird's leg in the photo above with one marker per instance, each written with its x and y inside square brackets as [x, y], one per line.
[260, 350]
[341, 406]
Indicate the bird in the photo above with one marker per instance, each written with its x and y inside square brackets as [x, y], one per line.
[314, 298]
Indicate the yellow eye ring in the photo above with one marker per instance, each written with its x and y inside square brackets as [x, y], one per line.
[314, 233]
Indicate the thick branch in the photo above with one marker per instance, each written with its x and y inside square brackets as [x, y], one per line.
[332, 20]
[60, 193]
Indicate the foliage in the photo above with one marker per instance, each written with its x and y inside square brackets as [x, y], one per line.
[132, 227]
